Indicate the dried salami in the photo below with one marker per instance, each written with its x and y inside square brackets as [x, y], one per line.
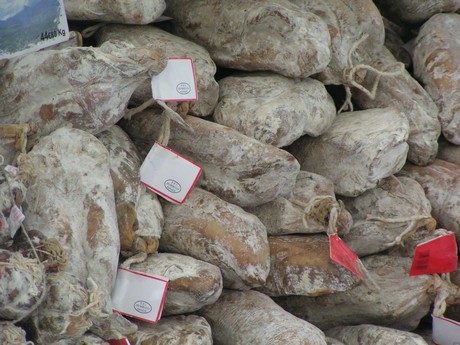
[236, 168]
[436, 54]
[257, 35]
[239, 317]
[151, 39]
[192, 283]
[274, 109]
[117, 11]
[368, 145]
[82, 87]
[210, 229]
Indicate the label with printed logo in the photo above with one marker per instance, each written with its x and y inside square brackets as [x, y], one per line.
[177, 82]
[169, 174]
[446, 331]
[139, 295]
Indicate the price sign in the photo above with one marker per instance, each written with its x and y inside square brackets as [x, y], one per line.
[343, 255]
[139, 295]
[169, 174]
[176, 82]
[435, 256]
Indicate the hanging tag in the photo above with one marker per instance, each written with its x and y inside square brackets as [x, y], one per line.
[28, 26]
[3, 221]
[446, 331]
[139, 295]
[168, 174]
[343, 255]
[15, 219]
[176, 82]
[12, 170]
[122, 341]
[435, 256]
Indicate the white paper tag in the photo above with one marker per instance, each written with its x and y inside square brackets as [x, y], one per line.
[446, 331]
[176, 82]
[30, 25]
[15, 219]
[12, 170]
[168, 174]
[139, 295]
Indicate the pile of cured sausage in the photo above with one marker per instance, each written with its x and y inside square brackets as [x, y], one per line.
[314, 118]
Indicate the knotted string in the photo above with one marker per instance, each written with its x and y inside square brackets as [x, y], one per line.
[316, 208]
[349, 73]
[415, 222]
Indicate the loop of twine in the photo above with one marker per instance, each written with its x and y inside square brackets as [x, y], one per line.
[56, 255]
[444, 291]
[314, 208]
[91, 30]
[349, 75]
[39, 264]
[317, 208]
[415, 222]
[169, 115]
[14, 335]
[135, 259]
[141, 336]
[32, 266]
[95, 301]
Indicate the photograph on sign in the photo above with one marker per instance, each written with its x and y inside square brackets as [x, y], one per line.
[30, 25]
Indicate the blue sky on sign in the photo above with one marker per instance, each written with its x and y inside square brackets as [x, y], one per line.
[9, 8]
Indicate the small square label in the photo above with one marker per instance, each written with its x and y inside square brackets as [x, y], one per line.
[176, 82]
[139, 295]
[446, 331]
[168, 174]
[343, 255]
[435, 256]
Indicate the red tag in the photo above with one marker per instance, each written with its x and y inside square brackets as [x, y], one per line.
[123, 341]
[1, 224]
[435, 256]
[343, 255]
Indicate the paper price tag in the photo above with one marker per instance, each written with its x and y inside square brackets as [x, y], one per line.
[30, 25]
[343, 255]
[12, 170]
[168, 174]
[139, 295]
[122, 341]
[435, 256]
[176, 82]
[15, 220]
[446, 331]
